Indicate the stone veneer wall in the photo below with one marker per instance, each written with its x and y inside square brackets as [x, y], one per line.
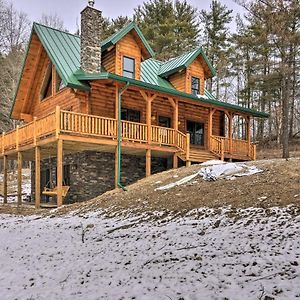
[92, 173]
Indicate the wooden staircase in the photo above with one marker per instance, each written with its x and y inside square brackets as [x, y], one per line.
[198, 155]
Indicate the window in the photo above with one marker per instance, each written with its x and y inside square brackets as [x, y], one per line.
[164, 121]
[59, 83]
[128, 67]
[195, 86]
[46, 90]
[196, 130]
[130, 115]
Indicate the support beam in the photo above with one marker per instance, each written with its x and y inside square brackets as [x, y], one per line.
[5, 168]
[148, 120]
[37, 177]
[230, 131]
[59, 172]
[20, 162]
[148, 162]
[248, 130]
[175, 161]
[210, 126]
[188, 138]
[116, 168]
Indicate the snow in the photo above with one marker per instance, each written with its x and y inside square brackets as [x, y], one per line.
[213, 170]
[208, 254]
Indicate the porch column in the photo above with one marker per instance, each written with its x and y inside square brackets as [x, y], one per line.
[174, 103]
[188, 138]
[210, 126]
[230, 131]
[59, 165]
[37, 177]
[149, 137]
[117, 129]
[248, 130]
[20, 162]
[148, 99]
[5, 167]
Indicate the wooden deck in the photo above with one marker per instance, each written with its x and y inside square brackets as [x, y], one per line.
[82, 132]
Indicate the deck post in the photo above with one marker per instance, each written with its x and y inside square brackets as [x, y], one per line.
[34, 131]
[17, 137]
[230, 132]
[20, 162]
[188, 138]
[148, 162]
[222, 149]
[210, 126]
[5, 169]
[148, 119]
[116, 167]
[37, 177]
[248, 134]
[59, 172]
[57, 121]
[175, 161]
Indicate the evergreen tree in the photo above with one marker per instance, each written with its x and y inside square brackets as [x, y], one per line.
[171, 28]
[216, 37]
[110, 27]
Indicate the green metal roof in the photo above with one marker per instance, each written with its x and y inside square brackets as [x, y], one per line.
[183, 61]
[116, 37]
[64, 51]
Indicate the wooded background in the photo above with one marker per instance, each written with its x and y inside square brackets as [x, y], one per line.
[256, 54]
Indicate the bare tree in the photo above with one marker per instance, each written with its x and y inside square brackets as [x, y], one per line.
[53, 20]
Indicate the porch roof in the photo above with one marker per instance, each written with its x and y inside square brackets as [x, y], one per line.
[208, 98]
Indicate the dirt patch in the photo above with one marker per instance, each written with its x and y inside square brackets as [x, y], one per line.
[278, 185]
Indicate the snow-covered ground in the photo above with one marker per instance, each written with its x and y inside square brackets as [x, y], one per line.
[228, 254]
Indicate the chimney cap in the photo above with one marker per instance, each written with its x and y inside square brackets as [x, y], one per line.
[91, 3]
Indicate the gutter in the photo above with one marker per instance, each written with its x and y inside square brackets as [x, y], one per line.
[120, 92]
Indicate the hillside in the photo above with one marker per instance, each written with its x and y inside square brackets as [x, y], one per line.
[277, 185]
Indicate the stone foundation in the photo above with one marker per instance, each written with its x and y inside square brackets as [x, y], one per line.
[92, 173]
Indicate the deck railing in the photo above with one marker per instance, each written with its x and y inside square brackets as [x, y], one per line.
[66, 122]
[221, 146]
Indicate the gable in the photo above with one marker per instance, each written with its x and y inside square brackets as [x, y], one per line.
[132, 28]
[184, 61]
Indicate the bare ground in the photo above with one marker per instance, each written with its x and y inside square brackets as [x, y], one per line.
[278, 185]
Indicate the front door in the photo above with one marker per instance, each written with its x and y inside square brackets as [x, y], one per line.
[196, 130]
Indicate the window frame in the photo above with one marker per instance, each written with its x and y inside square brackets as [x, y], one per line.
[193, 90]
[47, 84]
[128, 71]
[165, 118]
[132, 112]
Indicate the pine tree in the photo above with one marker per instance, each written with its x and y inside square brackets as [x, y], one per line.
[171, 29]
[216, 37]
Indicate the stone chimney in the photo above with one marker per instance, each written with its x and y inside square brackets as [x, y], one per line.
[90, 50]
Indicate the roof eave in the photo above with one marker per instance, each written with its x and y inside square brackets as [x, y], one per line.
[99, 76]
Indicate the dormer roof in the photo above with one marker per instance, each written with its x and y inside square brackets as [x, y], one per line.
[183, 61]
[131, 27]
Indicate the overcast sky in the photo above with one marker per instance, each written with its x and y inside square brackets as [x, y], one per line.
[69, 10]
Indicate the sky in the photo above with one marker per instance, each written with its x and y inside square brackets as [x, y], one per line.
[69, 10]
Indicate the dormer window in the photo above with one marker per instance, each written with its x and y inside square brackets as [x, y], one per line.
[128, 67]
[195, 85]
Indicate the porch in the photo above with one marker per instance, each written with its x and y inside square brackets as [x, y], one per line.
[63, 132]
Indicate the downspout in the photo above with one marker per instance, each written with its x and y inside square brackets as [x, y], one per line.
[120, 92]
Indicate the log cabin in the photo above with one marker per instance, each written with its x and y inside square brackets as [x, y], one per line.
[100, 114]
